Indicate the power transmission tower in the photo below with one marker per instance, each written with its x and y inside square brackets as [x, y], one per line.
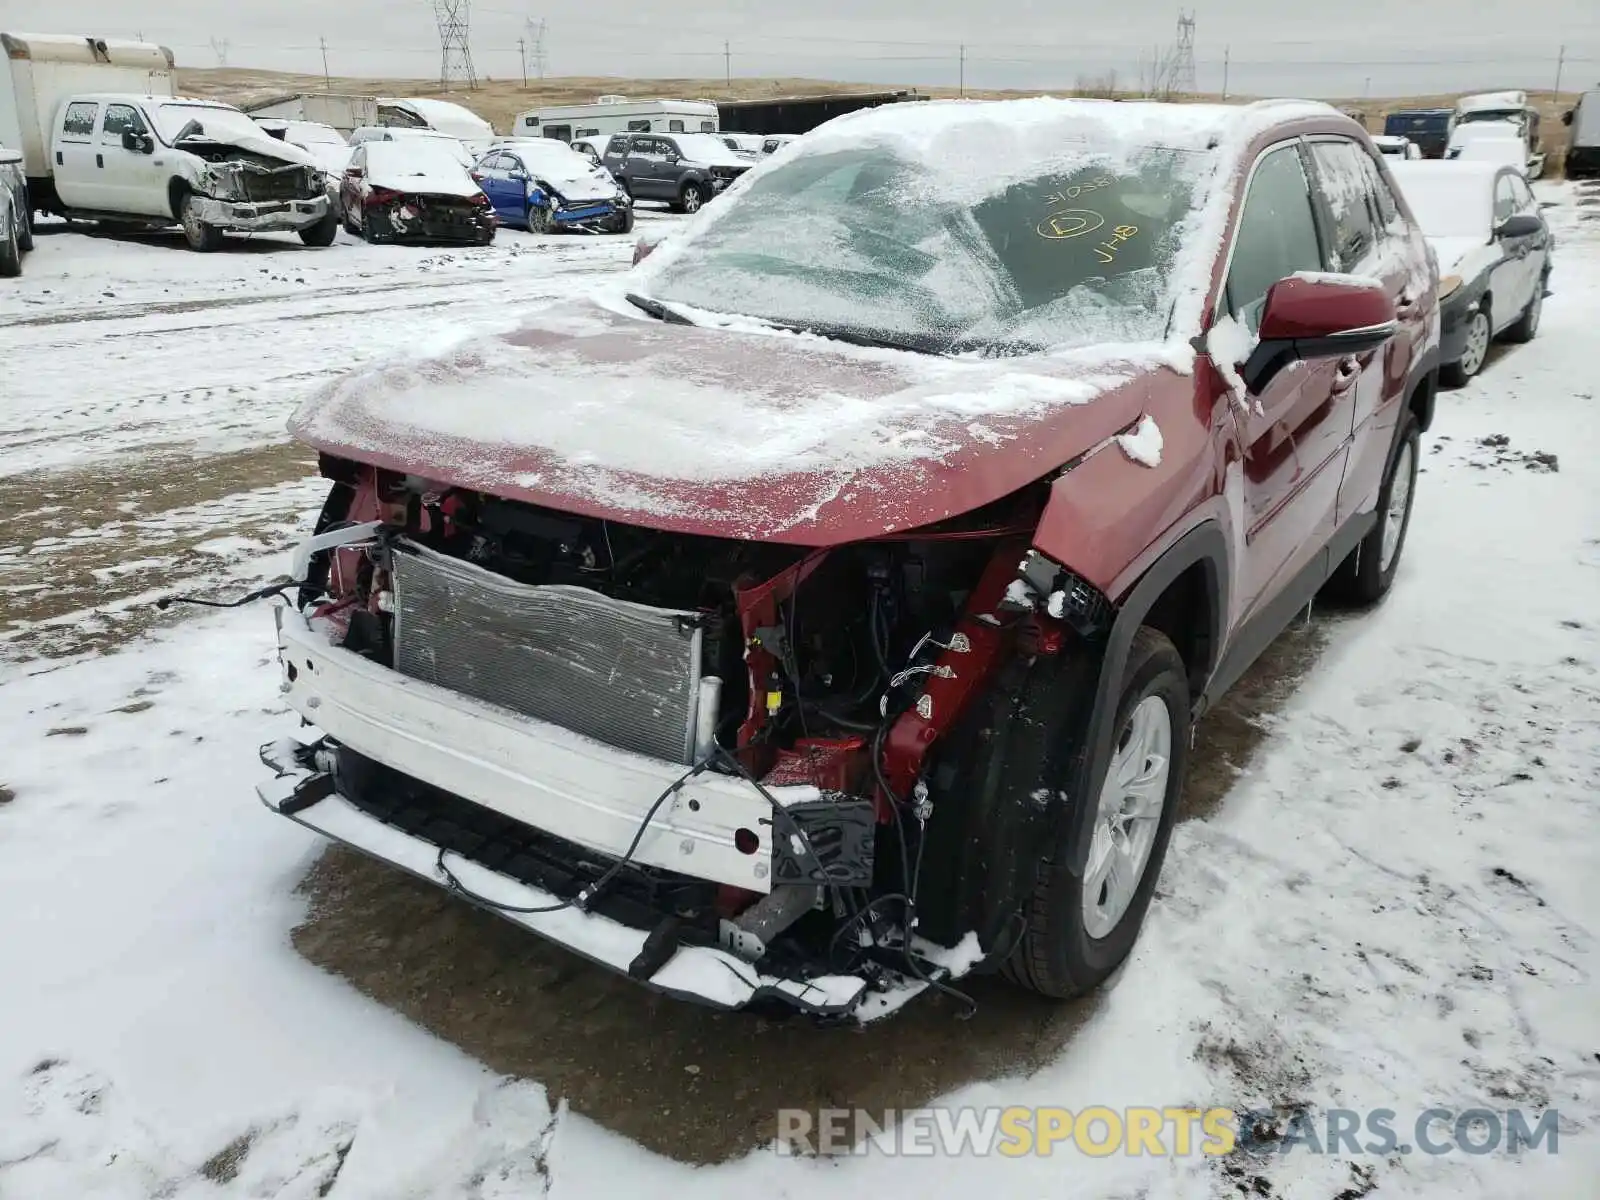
[219, 47]
[455, 49]
[536, 55]
[1183, 80]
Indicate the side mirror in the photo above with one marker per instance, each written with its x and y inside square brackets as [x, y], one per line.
[1566, 117]
[139, 143]
[1519, 226]
[355, 173]
[1318, 316]
[674, 157]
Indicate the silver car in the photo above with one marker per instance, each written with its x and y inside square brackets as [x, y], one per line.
[16, 218]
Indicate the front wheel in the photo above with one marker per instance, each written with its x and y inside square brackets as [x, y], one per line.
[200, 236]
[1368, 574]
[25, 229]
[623, 222]
[540, 219]
[323, 232]
[1078, 929]
[10, 249]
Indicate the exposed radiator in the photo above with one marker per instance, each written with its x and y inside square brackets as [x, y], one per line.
[621, 673]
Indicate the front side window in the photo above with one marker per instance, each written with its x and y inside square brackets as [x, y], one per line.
[79, 120]
[1522, 193]
[1505, 201]
[879, 240]
[121, 119]
[1378, 188]
[1346, 190]
[1277, 234]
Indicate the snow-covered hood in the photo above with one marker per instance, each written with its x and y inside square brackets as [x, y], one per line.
[425, 179]
[262, 144]
[1460, 255]
[736, 431]
[577, 181]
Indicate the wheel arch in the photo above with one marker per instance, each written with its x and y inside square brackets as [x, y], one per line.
[1193, 571]
[177, 188]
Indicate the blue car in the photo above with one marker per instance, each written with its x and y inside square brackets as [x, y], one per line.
[545, 185]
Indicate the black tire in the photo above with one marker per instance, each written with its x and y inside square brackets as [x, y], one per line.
[691, 198]
[624, 222]
[350, 226]
[1057, 956]
[202, 238]
[25, 233]
[540, 220]
[1455, 374]
[1527, 326]
[10, 248]
[323, 233]
[1363, 578]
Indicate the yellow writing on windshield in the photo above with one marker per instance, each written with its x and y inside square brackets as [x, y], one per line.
[1070, 223]
[1068, 194]
[1106, 251]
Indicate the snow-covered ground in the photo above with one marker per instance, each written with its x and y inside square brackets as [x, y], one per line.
[1395, 906]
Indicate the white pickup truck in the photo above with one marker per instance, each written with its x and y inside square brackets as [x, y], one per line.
[155, 160]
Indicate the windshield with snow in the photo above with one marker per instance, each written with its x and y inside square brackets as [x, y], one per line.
[708, 148]
[217, 124]
[870, 241]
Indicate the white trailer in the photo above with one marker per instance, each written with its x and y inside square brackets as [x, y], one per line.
[340, 110]
[38, 71]
[618, 114]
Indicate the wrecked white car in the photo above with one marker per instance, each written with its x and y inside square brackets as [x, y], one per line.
[139, 161]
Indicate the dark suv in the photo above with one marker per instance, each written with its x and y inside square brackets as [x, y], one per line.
[685, 169]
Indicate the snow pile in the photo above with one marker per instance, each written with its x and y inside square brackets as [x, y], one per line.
[1143, 445]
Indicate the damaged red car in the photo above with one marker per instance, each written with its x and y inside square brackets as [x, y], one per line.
[822, 613]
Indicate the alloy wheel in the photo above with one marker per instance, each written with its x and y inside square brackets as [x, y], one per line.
[1131, 802]
[1477, 347]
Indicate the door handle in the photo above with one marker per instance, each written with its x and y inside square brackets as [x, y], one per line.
[100, 161]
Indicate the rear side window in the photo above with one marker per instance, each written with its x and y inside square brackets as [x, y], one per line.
[1277, 234]
[675, 127]
[79, 121]
[1348, 194]
[639, 126]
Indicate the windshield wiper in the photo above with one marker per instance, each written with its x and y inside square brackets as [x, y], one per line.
[913, 344]
[657, 309]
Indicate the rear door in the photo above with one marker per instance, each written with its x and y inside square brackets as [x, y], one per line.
[80, 181]
[1295, 434]
[647, 166]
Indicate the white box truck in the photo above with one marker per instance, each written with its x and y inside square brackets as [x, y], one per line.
[38, 71]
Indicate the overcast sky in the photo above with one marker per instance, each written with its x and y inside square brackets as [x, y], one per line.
[1338, 48]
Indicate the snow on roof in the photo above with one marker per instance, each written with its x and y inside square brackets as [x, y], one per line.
[61, 47]
[445, 116]
[1492, 101]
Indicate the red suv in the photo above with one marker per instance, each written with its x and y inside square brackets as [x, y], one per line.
[822, 613]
